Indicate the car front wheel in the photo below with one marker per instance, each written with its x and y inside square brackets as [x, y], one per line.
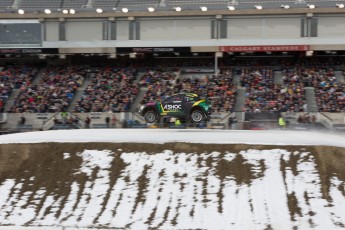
[197, 116]
[150, 116]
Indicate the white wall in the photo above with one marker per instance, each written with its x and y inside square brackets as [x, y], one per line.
[157, 29]
[282, 28]
[52, 31]
[84, 31]
[122, 30]
[332, 27]
[175, 29]
[246, 28]
[199, 29]
[196, 31]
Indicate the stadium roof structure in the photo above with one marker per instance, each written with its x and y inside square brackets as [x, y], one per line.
[8, 6]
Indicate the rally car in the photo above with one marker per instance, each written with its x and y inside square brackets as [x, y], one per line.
[182, 105]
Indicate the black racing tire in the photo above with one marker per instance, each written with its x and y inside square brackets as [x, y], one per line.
[197, 116]
[150, 116]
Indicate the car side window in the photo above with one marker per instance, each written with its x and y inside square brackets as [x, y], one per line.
[176, 99]
[189, 99]
[168, 100]
[173, 99]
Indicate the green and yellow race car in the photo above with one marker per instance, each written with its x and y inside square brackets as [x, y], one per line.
[182, 105]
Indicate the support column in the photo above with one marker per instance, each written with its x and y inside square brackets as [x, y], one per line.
[216, 56]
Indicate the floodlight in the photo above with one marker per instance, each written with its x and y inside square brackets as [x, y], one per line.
[132, 55]
[311, 6]
[178, 9]
[125, 10]
[20, 11]
[203, 8]
[112, 56]
[151, 9]
[99, 10]
[47, 11]
[72, 11]
[231, 7]
[309, 53]
[258, 7]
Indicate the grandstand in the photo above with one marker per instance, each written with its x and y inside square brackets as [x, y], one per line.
[34, 5]
[251, 58]
[6, 4]
[38, 4]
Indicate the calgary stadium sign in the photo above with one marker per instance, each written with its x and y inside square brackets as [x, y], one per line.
[276, 48]
[153, 49]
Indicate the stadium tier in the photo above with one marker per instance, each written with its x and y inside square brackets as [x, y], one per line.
[6, 4]
[105, 3]
[115, 89]
[162, 4]
[40, 4]
[74, 4]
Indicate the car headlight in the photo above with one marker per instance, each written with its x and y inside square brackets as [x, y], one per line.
[141, 108]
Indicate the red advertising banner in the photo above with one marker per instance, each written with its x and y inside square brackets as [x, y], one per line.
[278, 48]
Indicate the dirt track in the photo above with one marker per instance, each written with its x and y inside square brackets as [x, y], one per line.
[45, 162]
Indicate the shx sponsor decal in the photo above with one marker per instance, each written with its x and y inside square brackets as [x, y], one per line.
[172, 107]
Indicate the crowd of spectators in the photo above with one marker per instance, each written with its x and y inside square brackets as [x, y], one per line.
[14, 77]
[306, 119]
[331, 98]
[114, 89]
[162, 62]
[330, 94]
[110, 90]
[159, 84]
[53, 93]
[295, 89]
[264, 95]
[220, 90]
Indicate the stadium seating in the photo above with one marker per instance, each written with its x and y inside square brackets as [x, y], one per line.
[220, 90]
[14, 77]
[263, 95]
[159, 84]
[53, 93]
[330, 94]
[110, 90]
[6, 4]
[40, 4]
[199, 2]
[105, 4]
[188, 4]
[74, 4]
[115, 89]
[136, 3]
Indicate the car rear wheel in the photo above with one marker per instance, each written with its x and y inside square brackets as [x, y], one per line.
[197, 116]
[150, 116]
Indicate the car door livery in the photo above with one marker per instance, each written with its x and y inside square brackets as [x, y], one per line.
[173, 106]
[188, 102]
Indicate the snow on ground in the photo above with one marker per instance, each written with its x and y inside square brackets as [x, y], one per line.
[183, 190]
[269, 137]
